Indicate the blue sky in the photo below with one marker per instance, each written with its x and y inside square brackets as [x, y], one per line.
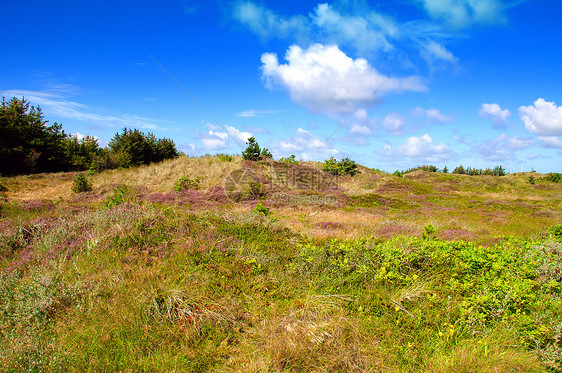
[390, 84]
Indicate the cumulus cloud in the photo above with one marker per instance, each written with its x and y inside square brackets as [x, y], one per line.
[324, 79]
[462, 13]
[393, 123]
[424, 149]
[494, 113]
[305, 145]
[360, 124]
[216, 138]
[550, 141]
[433, 114]
[543, 118]
[56, 104]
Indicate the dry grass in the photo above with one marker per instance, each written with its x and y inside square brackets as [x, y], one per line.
[161, 177]
[316, 335]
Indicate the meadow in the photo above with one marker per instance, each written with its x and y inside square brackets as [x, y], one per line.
[281, 270]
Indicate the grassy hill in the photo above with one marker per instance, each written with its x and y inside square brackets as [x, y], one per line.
[429, 272]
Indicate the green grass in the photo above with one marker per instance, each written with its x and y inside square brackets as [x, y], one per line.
[134, 286]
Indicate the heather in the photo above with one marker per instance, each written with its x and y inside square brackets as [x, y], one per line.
[428, 272]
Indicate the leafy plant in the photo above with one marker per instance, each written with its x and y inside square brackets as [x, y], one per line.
[81, 184]
[121, 195]
[397, 173]
[263, 210]
[532, 180]
[185, 183]
[429, 232]
[290, 160]
[226, 157]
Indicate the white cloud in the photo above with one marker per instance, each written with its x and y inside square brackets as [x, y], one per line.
[462, 13]
[393, 123]
[361, 125]
[433, 51]
[432, 114]
[365, 32]
[266, 23]
[543, 118]
[324, 79]
[306, 146]
[425, 149]
[256, 113]
[502, 147]
[495, 113]
[55, 104]
[217, 138]
[81, 136]
[550, 141]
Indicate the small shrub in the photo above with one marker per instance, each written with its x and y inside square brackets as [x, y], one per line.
[556, 231]
[532, 180]
[3, 188]
[185, 183]
[289, 160]
[123, 194]
[263, 210]
[81, 184]
[554, 177]
[397, 173]
[429, 231]
[226, 157]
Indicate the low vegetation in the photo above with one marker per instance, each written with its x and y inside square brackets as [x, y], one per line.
[429, 272]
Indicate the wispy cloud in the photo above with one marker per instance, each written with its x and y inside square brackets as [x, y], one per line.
[432, 114]
[463, 13]
[55, 104]
[256, 113]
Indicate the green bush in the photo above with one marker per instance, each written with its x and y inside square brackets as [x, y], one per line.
[532, 180]
[185, 183]
[81, 184]
[429, 231]
[344, 167]
[226, 157]
[554, 177]
[289, 160]
[123, 194]
[397, 173]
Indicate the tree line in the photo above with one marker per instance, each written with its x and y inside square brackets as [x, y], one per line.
[29, 145]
